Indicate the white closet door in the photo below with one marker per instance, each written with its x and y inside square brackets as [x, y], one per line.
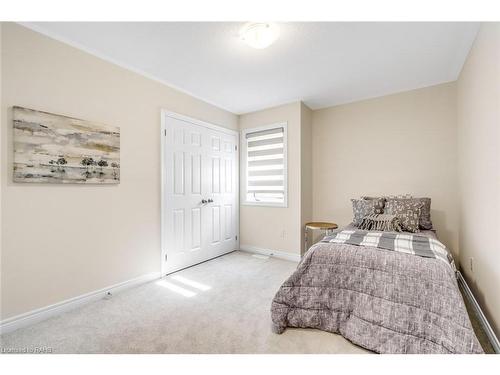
[221, 187]
[199, 193]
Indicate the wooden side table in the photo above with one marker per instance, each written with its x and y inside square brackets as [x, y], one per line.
[317, 225]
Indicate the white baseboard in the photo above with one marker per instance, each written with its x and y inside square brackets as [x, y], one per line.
[35, 316]
[479, 313]
[274, 253]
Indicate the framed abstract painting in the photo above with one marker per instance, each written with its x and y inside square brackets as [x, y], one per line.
[51, 148]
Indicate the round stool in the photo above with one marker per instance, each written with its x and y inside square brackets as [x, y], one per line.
[318, 225]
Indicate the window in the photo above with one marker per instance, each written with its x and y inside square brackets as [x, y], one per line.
[264, 161]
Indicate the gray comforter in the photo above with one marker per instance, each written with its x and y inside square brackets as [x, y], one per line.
[385, 301]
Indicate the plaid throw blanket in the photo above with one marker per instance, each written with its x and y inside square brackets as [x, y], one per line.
[401, 242]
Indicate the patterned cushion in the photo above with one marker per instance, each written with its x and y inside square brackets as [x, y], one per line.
[425, 214]
[399, 196]
[379, 203]
[364, 207]
[381, 222]
[408, 210]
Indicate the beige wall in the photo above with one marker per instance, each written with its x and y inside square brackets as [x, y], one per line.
[306, 181]
[276, 228]
[479, 169]
[60, 241]
[402, 143]
[1, 174]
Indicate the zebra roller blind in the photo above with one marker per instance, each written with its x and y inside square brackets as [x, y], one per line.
[266, 166]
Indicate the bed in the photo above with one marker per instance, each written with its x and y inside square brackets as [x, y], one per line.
[383, 300]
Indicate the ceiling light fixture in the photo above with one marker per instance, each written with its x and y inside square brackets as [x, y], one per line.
[259, 35]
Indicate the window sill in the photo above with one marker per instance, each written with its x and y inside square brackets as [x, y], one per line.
[265, 204]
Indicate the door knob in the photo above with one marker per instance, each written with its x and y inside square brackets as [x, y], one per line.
[210, 200]
[203, 201]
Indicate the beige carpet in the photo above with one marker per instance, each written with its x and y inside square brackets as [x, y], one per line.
[221, 306]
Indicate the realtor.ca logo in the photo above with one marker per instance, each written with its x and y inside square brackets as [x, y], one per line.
[27, 350]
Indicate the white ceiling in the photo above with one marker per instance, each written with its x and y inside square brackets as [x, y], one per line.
[322, 64]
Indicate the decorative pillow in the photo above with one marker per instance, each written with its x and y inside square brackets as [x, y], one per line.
[399, 196]
[379, 203]
[425, 214]
[408, 211]
[364, 207]
[381, 222]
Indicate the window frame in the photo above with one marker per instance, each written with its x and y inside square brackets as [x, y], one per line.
[244, 166]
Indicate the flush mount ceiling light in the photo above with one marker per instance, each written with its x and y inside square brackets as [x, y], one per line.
[259, 34]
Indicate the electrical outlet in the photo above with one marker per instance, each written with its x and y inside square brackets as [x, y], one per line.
[471, 265]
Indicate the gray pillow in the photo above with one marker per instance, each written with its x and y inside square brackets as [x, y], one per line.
[425, 214]
[379, 203]
[408, 211]
[399, 196]
[365, 207]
